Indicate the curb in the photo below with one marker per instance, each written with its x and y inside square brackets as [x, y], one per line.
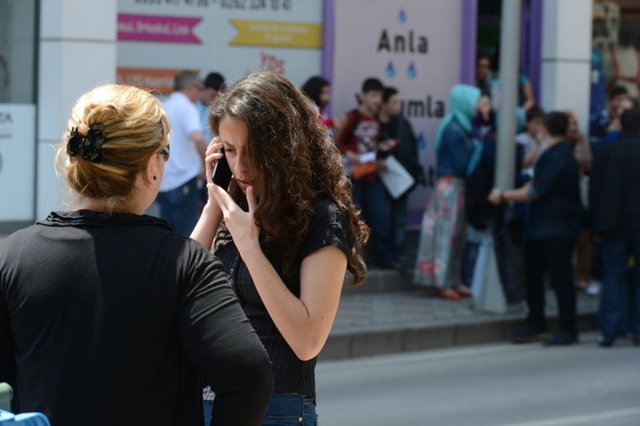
[417, 337]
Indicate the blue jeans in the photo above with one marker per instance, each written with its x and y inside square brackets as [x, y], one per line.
[620, 287]
[284, 409]
[180, 207]
[371, 198]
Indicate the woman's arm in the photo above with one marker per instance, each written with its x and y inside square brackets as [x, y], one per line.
[304, 322]
[207, 225]
[222, 345]
[211, 216]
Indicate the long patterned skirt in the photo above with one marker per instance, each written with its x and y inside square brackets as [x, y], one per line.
[442, 236]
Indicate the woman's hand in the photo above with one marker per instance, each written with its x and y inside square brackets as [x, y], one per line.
[205, 229]
[241, 224]
[212, 155]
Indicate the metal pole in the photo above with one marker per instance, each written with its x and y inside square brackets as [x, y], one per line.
[509, 73]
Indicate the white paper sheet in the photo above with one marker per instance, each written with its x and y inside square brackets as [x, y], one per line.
[396, 178]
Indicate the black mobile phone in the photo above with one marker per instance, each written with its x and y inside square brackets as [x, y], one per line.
[222, 173]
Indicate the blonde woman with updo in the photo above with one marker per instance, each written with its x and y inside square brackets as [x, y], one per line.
[107, 316]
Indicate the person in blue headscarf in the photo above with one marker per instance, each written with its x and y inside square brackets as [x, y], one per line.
[442, 236]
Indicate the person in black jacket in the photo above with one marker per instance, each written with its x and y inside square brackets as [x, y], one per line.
[615, 203]
[109, 317]
[398, 133]
[550, 234]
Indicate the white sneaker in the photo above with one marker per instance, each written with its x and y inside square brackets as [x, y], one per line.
[593, 289]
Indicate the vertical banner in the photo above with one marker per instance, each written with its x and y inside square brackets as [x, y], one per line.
[412, 45]
[232, 37]
[17, 165]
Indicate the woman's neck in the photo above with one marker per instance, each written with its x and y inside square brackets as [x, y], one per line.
[101, 205]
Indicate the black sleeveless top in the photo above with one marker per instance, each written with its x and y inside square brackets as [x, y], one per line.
[328, 227]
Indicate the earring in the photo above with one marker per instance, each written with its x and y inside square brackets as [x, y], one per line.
[154, 178]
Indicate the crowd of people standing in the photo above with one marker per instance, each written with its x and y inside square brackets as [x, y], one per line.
[545, 231]
[552, 225]
[218, 312]
[548, 230]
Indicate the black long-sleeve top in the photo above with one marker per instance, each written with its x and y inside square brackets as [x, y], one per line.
[328, 227]
[114, 319]
[555, 209]
[614, 188]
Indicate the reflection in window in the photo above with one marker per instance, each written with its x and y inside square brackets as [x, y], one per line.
[17, 51]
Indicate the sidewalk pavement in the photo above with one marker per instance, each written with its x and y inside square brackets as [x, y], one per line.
[377, 321]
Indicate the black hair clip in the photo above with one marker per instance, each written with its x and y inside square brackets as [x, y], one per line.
[89, 146]
[93, 143]
[74, 145]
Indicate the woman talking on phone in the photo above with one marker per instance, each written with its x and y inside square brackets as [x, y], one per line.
[286, 229]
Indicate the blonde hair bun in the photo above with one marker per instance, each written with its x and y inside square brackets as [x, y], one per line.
[134, 126]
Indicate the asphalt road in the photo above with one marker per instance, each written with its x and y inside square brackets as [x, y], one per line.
[496, 385]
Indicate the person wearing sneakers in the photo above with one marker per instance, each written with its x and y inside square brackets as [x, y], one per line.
[551, 233]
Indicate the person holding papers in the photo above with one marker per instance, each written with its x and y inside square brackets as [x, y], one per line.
[394, 126]
[361, 149]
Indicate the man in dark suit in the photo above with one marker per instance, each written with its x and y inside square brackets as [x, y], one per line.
[615, 201]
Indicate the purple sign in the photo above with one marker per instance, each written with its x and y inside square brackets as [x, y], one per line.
[168, 29]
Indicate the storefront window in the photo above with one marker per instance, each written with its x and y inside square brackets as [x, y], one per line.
[615, 54]
[18, 37]
[17, 51]
[488, 45]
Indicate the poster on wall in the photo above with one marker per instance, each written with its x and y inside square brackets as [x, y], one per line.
[17, 166]
[412, 45]
[233, 37]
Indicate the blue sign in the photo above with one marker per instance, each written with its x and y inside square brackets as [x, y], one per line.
[390, 71]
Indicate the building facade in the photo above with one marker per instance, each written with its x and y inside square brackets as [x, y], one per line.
[51, 51]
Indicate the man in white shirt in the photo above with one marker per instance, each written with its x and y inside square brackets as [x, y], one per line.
[179, 197]
[213, 85]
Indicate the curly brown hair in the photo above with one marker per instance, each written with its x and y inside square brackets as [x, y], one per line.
[293, 153]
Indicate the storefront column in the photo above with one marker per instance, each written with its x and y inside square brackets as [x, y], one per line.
[77, 52]
[566, 57]
[469, 38]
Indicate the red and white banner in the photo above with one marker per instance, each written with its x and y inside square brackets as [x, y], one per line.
[230, 37]
[175, 29]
